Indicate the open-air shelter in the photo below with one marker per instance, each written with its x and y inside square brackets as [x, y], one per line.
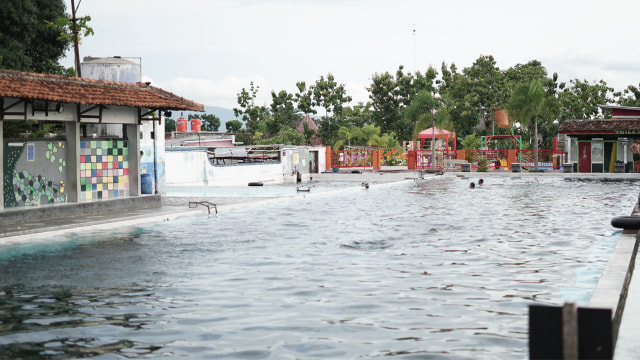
[72, 165]
[436, 133]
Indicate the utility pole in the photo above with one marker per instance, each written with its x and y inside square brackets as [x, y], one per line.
[74, 21]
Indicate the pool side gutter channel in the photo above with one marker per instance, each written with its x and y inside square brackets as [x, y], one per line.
[613, 287]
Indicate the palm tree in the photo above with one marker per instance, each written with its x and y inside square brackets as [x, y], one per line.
[345, 134]
[530, 102]
[389, 141]
[420, 112]
[370, 134]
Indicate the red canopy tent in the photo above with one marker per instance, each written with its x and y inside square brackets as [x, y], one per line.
[434, 132]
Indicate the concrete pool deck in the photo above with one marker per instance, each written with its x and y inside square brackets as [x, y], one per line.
[617, 289]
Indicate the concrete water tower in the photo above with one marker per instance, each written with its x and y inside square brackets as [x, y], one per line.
[110, 69]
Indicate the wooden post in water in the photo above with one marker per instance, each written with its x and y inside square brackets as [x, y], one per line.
[570, 331]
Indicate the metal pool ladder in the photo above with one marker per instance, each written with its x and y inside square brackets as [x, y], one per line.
[209, 205]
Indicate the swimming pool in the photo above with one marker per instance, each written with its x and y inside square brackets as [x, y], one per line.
[416, 269]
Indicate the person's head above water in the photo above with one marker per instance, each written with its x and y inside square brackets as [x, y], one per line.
[472, 185]
[480, 182]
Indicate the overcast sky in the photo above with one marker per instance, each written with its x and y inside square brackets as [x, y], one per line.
[208, 50]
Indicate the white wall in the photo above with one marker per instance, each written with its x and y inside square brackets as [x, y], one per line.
[192, 168]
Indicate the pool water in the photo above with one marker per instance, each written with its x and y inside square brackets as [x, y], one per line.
[266, 191]
[416, 269]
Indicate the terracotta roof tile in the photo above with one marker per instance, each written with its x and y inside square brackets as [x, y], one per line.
[609, 126]
[88, 91]
[299, 124]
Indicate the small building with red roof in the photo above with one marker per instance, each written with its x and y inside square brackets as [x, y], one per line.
[71, 165]
[602, 145]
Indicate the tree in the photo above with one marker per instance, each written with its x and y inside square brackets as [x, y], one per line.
[331, 96]
[389, 141]
[471, 142]
[304, 98]
[307, 132]
[345, 134]
[524, 73]
[233, 126]
[391, 95]
[581, 99]
[71, 30]
[283, 112]
[420, 113]
[529, 101]
[27, 43]
[469, 95]
[358, 115]
[169, 125]
[370, 134]
[630, 96]
[250, 113]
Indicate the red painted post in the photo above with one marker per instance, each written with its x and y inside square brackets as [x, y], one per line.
[329, 157]
[375, 157]
[512, 157]
[411, 159]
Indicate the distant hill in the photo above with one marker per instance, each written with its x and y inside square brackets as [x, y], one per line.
[223, 114]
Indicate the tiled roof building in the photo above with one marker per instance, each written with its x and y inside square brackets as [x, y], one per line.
[78, 164]
[603, 145]
[55, 88]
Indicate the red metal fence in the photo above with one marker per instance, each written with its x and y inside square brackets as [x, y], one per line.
[425, 159]
[352, 158]
[495, 159]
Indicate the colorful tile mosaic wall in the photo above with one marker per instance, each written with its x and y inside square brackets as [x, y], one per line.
[34, 172]
[104, 170]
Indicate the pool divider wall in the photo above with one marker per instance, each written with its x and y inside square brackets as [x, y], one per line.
[59, 211]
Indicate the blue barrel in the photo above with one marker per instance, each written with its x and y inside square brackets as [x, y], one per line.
[146, 184]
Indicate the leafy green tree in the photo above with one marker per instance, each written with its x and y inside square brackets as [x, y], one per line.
[331, 96]
[304, 98]
[345, 134]
[283, 112]
[385, 101]
[524, 73]
[530, 102]
[471, 142]
[370, 134]
[287, 136]
[307, 132]
[358, 115]
[169, 125]
[580, 99]
[27, 43]
[251, 114]
[389, 95]
[389, 141]
[421, 112]
[72, 28]
[630, 96]
[472, 93]
[233, 126]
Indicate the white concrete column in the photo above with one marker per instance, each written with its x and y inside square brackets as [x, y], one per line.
[133, 143]
[72, 187]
